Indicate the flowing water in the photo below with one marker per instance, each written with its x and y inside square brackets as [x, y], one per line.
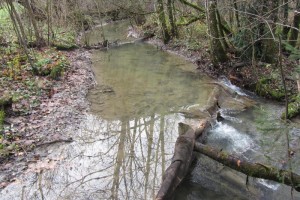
[126, 142]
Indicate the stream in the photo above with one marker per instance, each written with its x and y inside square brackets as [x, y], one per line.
[126, 141]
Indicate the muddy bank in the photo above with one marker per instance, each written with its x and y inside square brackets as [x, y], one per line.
[48, 123]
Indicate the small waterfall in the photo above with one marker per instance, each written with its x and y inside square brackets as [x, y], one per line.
[230, 139]
[228, 84]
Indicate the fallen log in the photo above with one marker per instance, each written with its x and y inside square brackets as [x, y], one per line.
[256, 170]
[182, 158]
[186, 144]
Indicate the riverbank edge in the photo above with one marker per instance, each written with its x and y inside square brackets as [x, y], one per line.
[259, 80]
[56, 116]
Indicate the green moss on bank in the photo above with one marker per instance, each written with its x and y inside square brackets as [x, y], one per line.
[2, 116]
[264, 87]
[293, 108]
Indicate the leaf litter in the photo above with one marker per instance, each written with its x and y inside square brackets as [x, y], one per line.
[42, 110]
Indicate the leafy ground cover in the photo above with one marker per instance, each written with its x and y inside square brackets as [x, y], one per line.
[26, 85]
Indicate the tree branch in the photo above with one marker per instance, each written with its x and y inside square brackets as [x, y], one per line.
[193, 6]
[192, 20]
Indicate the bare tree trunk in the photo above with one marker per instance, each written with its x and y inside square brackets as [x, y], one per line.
[217, 51]
[101, 24]
[221, 31]
[162, 19]
[19, 29]
[294, 32]
[269, 53]
[39, 39]
[285, 29]
[16, 18]
[236, 14]
[149, 153]
[171, 18]
[119, 161]
[49, 21]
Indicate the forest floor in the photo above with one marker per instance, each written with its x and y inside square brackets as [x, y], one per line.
[41, 112]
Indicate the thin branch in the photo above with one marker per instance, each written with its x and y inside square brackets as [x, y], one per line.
[193, 6]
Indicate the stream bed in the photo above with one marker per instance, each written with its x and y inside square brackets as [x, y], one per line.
[126, 141]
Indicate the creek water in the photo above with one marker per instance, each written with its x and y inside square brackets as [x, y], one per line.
[126, 141]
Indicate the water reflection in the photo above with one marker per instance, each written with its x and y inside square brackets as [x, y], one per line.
[110, 160]
[116, 31]
[125, 144]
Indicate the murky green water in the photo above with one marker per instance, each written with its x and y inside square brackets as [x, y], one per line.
[117, 32]
[137, 80]
[126, 142]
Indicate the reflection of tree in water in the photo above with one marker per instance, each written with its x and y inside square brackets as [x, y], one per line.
[111, 160]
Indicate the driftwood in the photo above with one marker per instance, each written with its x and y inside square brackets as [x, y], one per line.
[182, 159]
[256, 170]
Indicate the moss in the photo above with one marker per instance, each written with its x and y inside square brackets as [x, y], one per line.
[65, 46]
[264, 87]
[5, 100]
[56, 72]
[293, 108]
[2, 116]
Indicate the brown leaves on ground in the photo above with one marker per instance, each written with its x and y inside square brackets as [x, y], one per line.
[43, 110]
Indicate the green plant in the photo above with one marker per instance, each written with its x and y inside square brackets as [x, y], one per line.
[2, 116]
[294, 52]
[56, 72]
[51, 64]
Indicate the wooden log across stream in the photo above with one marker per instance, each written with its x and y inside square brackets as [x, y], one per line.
[182, 159]
[190, 140]
[256, 170]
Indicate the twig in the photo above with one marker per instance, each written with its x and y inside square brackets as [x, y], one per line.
[55, 141]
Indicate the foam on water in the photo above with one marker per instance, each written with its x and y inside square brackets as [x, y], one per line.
[228, 84]
[227, 137]
[269, 184]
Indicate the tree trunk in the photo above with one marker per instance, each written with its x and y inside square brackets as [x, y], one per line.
[216, 49]
[294, 32]
[19, 29]
[221, 31]
[171, 18]
[162, 19]
[119, 161]
[39, 39]
[236, 14]
[18, 24]
[269, 53]
[285, 29]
